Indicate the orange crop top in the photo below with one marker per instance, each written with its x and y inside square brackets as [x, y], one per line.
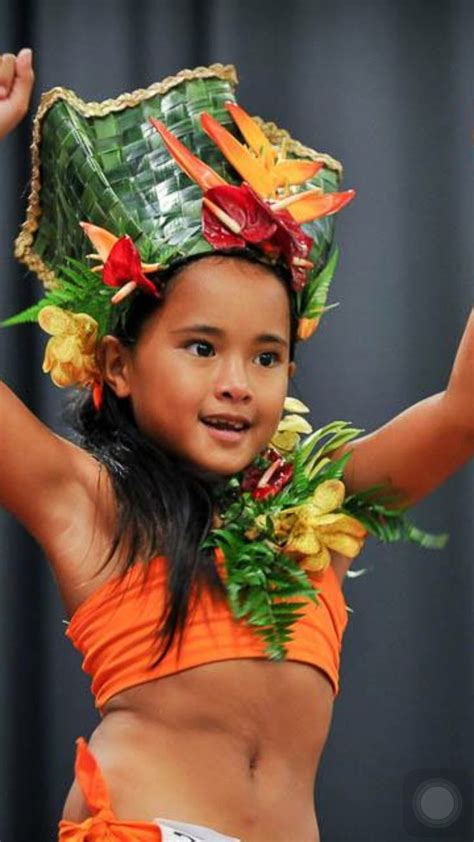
[115, 630]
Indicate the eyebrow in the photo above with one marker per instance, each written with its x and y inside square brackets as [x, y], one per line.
[210, 330]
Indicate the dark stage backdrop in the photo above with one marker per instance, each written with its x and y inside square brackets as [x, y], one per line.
[387, 88]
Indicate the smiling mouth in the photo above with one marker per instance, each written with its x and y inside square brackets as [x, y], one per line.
[223, 424]
[223, 431]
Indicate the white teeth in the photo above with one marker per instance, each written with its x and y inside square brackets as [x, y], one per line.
[224, 425]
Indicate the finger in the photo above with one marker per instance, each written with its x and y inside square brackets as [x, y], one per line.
[24, 59]
[24, 65]
[23, 81]
[7, 73]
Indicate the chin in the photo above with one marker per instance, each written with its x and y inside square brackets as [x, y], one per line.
[225, 470]
[224, 467]
[217, 462]
[211, 469]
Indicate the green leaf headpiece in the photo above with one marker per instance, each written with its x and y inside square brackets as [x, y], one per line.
[173, 170]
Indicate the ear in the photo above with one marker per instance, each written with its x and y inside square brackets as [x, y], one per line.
[291, 369]
[114, 361]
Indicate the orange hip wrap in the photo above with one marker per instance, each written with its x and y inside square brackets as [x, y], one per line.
[102, 824]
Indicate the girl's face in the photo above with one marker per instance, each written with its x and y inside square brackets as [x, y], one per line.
[219, 346]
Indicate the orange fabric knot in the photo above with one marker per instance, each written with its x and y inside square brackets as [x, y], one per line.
[97, 827]
[103, 825]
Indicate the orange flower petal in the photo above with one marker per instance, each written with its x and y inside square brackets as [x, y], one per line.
[203, 175]
[294, 172]
[102, 239]
[98, 395]
[315, 205]
[251, 170]
[306, 328]
[253, 134]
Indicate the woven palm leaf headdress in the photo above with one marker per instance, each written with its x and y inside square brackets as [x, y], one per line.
[174, 170]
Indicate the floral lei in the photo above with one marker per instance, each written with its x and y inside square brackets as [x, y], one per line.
[283, 514]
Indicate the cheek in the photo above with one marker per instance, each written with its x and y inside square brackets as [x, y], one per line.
[272, 404]
[175, 385]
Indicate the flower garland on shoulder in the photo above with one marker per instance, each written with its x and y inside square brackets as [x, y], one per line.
[280, 517]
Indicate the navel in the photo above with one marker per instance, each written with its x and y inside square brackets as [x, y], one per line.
[253, 761]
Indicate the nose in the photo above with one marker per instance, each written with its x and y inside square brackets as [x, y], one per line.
[232, 381]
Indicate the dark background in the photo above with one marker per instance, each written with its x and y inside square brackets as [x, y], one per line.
[387, 88]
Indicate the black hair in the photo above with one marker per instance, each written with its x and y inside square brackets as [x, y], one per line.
[165, 506]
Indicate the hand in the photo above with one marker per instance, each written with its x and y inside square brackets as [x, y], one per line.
[16, 84]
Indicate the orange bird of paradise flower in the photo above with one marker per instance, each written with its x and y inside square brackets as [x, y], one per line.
[258, 166]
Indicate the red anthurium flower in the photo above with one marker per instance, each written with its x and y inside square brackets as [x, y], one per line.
[253, 220]
[291, 241]
[249, 219]
[218, 234]
[123, 265]
[266, 482]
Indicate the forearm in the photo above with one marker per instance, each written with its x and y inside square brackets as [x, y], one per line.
[414, 453]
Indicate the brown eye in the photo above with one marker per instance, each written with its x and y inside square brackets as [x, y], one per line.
[269, 354]
[201, 343]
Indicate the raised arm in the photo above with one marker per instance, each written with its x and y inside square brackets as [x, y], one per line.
[419, 449]
[43, 477]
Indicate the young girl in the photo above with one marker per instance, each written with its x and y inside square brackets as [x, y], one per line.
[188, 519]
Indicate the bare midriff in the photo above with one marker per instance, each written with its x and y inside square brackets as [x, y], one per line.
[233, 745]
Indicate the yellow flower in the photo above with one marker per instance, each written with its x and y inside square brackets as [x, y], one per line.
[294, 405]
[314, 528]
[70, 354]
[287, 433]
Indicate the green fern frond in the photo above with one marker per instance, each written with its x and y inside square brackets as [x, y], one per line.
[28, 315]
[389, 524]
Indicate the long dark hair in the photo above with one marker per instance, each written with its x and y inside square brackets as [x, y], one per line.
[165, 506]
